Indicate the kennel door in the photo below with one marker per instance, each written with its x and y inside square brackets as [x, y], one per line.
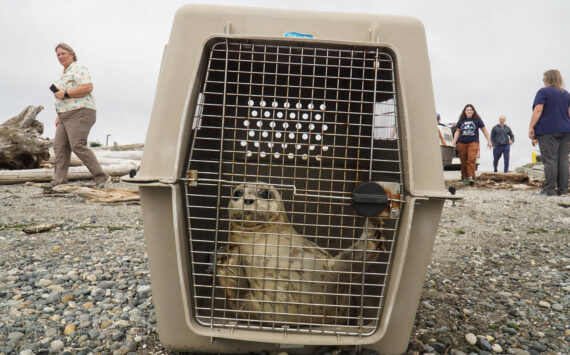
[303, 125]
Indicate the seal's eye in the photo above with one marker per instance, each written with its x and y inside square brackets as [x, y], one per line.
[266, 194]
[237, 194]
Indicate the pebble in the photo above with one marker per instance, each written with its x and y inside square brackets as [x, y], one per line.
[471, 338]
[544, 304]
[56, 345]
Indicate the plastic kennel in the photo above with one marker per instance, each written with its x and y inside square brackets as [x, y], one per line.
[291, 183]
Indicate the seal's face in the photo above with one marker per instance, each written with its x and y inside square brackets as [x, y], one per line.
[255, 204]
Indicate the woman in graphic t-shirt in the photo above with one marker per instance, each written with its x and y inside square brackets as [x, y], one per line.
[466, 139]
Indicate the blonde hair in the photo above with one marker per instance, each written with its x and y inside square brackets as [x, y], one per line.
[68, 48]
[552, 77]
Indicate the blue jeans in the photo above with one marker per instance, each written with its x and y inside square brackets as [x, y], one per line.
[503, 150]
[554, 153]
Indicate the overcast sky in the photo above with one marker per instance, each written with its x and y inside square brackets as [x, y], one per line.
[488, 53]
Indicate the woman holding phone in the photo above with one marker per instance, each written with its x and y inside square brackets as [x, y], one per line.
[76, 115]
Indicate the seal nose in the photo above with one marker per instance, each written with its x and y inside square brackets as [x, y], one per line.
[248, 201]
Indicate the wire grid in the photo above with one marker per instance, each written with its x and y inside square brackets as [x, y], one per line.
[313, 122]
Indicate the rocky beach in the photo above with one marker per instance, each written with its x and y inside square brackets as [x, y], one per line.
[499, 280]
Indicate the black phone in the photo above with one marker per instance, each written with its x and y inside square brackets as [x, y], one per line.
[53, 88]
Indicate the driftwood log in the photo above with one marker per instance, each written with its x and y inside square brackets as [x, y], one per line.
[513, 178]
[45, 175]
[99, 196]
[21, 143]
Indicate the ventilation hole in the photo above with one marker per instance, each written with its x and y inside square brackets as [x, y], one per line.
[254, 113]
[311, 106]
[249, 153]
[305, 156]
[259, 124]
[262, 103]
[318, 117]
[298, 126]
[246, 123]
[323, 107]
[256, 144]
[250, 103]
[311, 127]
[285, 125]
[318, 157]
[262, 154]
[276, 154]
[291, 135]
[270, 145]
[305, 136]
[267, 114]
[311, 147]
[318, 137]
[325, 127]
[305, 116]
[278, 135]
[279, 114]
[243, 143]
[251, 133]
[325, 148]
[298, 147]
[274, 104]
[264, 134]
[284, 145]
[299, 105]
[272, 124]
[292, 115]
[290, 155]
[286, 104]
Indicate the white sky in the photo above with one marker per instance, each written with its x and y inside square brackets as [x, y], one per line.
[488, 53]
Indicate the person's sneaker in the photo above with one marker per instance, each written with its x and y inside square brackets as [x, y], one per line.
[464, 181]
[103, 184]
[471, 181]
[50, 185]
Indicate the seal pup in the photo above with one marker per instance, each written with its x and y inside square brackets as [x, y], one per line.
[274, 274]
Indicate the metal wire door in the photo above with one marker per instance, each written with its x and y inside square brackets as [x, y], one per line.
[303, 124]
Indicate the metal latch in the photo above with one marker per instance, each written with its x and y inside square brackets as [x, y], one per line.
[192, 177]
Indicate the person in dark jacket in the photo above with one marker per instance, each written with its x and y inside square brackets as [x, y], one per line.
[502, 138]
[550, 127]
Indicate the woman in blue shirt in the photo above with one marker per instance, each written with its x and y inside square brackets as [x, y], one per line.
[466, 140]
[550, 127]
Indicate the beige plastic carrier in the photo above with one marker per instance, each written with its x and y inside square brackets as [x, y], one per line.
[327, 118]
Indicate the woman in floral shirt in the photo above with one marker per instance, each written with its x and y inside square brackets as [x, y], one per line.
[76, 115]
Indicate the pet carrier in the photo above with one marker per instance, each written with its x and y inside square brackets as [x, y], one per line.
[291, 183]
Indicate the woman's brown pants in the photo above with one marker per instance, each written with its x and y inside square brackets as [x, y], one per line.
[468, 156]
[71, 136]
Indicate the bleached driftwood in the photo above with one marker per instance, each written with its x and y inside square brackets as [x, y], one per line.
[99, 195]
[513, 178]
[46, 174]
[118, 147]
[107, 157]
[21, 143]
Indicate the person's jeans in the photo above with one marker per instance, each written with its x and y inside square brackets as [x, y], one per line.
[554, 153]
[468, 157]
[504, 150]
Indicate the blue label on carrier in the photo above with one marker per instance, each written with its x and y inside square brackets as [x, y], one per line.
[297, 35]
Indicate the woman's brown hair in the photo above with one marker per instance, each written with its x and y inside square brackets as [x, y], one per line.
[464, 116]
[552, 77]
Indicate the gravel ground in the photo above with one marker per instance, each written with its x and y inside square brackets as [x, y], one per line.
[499, 280]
